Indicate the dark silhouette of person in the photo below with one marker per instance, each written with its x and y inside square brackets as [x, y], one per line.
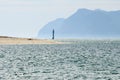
[53, 34]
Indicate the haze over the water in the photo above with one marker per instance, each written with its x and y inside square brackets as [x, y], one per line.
[24, 18]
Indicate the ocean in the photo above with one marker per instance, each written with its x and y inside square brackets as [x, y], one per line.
[76, 60]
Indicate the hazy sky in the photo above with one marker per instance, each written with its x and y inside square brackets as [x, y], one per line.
[24, 18]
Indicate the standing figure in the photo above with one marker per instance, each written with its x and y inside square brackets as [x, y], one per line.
[53, 34]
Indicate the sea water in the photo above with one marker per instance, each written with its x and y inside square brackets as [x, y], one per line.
[76, 60]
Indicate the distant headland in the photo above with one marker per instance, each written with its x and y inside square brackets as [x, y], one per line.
[84, 23]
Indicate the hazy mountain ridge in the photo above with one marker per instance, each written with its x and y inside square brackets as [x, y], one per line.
[85, 23]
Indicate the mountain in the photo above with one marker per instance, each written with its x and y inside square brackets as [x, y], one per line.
[84, 23]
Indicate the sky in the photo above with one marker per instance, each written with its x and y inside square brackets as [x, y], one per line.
[24, 18]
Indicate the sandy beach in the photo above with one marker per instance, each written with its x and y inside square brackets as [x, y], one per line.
[13, 40]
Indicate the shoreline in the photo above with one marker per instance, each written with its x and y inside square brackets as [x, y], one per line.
[5, 40]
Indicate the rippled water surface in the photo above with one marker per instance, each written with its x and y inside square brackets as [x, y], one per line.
[79, 60]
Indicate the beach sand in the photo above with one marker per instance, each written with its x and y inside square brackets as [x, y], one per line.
[13, 40]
